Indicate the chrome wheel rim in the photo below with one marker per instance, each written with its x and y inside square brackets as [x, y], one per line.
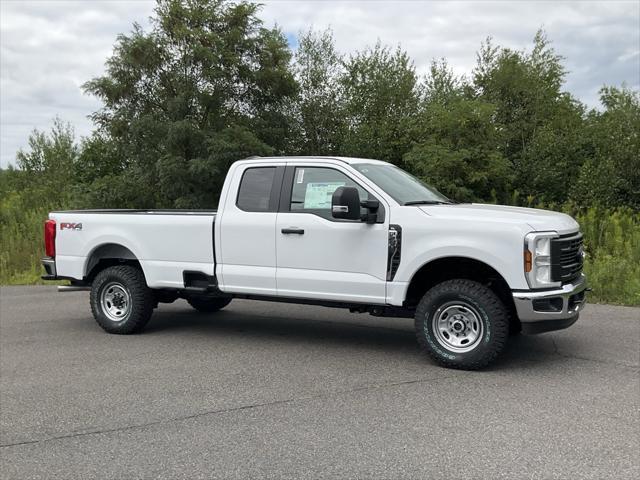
[457, 326]
[115, 301]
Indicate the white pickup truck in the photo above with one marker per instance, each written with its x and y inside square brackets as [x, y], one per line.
[342, 232]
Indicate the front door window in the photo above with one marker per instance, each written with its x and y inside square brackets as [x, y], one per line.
[313, 188]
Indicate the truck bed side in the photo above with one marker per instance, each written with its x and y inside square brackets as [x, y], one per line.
[166, 243]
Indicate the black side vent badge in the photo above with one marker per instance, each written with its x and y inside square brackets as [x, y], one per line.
[395, 247]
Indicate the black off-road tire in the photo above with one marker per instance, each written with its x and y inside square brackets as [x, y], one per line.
[209, 304]
[123, 280]
[486, 307]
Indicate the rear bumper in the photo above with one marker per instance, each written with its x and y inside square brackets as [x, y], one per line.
[552, 309]
[49, 265]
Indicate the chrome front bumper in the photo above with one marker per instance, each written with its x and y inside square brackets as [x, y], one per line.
[551, 309]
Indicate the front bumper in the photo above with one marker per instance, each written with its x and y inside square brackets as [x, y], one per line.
[551, 309]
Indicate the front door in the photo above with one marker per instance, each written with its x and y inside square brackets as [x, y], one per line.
[321, 257]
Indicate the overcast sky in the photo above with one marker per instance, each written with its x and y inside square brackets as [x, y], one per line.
[49, 48]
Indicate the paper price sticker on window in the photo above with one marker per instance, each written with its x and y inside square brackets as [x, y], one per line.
[318, 194]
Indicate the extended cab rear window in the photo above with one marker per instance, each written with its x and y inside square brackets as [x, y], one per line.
[255, 189]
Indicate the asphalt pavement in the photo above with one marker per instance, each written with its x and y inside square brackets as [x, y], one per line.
[267, 390]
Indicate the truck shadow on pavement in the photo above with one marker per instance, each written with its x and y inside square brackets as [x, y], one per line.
[311, 328]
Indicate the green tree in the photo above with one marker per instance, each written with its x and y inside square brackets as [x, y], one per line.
[381, 98]
[611, 174]
[48, 166]
[319, 105]
[554, 154]
[457, 141]
[441, 85]
[537, 119]
[207, 76]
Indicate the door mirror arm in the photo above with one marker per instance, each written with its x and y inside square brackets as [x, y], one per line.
[372, 207]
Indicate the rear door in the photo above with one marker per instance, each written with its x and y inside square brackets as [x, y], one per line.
[321, 257]
[247, 230]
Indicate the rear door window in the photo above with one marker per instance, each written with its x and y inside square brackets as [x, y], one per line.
[255, 189]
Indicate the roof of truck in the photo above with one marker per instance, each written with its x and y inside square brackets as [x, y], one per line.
[349, 160]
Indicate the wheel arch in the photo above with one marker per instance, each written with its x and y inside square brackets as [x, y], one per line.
[107, 255]
[447, 268]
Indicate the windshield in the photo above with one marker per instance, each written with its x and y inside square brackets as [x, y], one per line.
[403, 187]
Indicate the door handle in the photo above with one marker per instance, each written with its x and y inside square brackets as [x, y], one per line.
[292, 230]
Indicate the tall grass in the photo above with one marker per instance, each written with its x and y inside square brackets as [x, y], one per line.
[21, 242]
[612, 244]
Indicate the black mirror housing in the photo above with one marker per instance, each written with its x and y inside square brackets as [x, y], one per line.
[372, 207]
[345, 203]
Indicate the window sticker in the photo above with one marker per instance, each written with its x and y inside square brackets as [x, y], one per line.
[318, 194]
[300, 177]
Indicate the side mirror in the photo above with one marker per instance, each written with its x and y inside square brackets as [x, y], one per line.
[345, 203]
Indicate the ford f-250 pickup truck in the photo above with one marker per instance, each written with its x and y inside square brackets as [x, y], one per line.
[341, 232]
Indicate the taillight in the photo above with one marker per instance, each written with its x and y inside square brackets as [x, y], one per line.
[50, 238]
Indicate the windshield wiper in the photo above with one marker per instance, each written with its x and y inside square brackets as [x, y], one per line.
[427, 202]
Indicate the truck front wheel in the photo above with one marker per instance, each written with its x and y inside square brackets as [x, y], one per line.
[120, 300]
[462, 324]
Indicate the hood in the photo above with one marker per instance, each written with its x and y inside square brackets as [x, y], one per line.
[537, 219]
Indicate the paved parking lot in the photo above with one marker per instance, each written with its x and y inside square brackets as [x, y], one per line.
[278, 390]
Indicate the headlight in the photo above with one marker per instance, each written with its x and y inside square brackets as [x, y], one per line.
[537, 259]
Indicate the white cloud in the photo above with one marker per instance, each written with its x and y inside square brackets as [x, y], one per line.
[49, 48]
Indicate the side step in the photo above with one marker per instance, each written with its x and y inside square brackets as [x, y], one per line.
[199, 282]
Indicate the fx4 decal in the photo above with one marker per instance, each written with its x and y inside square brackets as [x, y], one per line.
[70, 226]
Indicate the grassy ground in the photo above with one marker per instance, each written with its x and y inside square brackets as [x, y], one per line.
[612, 243]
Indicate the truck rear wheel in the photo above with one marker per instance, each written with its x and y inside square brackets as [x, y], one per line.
[209, 304]
[462, 324]
[120, 300]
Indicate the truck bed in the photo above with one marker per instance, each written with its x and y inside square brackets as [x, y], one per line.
[128, 211]
[166, 243]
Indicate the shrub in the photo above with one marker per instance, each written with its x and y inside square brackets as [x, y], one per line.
[612, 244]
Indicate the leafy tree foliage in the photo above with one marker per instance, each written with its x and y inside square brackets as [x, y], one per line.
[611, 173]
[457, 141]
[319, 106]
[48, 166]
[380, 100]
[208, 82]
[538, 121]
[525, 87]
[458, 152]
